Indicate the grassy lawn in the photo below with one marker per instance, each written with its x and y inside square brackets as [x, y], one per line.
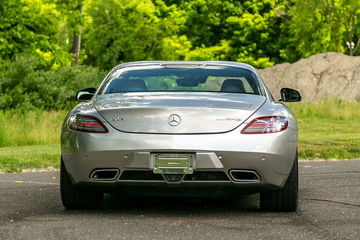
[327, 130]
[329, 139]
[31, 128]
[15, 159]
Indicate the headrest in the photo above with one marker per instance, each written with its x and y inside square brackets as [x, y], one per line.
[233, 85]
[133, 85]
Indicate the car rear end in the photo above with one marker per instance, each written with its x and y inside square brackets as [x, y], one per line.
[180, 142]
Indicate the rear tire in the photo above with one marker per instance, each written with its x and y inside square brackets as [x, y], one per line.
[76, 198]
[284, 199]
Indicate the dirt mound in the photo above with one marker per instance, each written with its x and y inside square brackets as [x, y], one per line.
[326, 75]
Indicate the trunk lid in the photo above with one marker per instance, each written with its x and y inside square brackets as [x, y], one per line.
[177, 113]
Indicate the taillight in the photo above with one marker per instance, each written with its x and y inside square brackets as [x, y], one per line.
[84, 123]
[268, 124]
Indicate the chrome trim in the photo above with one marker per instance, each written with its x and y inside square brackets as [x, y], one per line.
[105, 170]
[244, 180]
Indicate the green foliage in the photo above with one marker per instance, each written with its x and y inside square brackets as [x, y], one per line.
[317, 26]
[231, 30]
[258, 32]
[217, 52]
[73, 18]
[24, 86]
[34, 27]
[255, 33]
[126, 30]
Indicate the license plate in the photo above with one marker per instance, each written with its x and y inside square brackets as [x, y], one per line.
[173, 163]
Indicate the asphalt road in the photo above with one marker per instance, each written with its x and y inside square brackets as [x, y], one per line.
[30, 208]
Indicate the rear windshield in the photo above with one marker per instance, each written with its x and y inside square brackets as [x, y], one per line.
[167, 79]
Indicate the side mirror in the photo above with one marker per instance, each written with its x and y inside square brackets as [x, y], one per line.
[289, 95]
[85, 94]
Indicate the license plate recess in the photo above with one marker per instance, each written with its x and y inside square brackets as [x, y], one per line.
[173, 163]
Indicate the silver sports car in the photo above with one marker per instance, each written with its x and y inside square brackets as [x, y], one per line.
[180, 128]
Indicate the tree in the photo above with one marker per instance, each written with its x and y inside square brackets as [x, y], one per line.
[351, 14]
[125, 30]
[321, 26]
[32, 27]
[255, 34]
[122, 30]
[246, 31]
[72, 10]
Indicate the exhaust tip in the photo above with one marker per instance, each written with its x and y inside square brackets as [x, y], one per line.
[109, 174]
[239, 175]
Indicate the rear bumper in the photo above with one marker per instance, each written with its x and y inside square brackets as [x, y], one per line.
[272, 170]
[271, 156]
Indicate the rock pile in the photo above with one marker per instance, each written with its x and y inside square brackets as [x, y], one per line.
[326, 75]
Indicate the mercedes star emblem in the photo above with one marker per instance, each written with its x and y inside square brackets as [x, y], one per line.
[174, 120]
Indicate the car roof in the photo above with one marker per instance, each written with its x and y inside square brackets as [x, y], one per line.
[187, 64]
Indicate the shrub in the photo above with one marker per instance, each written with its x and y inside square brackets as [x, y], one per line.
[24, 86]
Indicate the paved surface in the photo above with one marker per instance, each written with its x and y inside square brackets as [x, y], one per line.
[30, 208]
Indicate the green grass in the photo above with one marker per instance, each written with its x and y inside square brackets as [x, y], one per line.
[327, 130]
[334, 109]
[29, 140]
[15, 159]
[329, 139]
[30, 128]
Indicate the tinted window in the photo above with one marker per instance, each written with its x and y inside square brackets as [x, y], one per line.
[161, 79]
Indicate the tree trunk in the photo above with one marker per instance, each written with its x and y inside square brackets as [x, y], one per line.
[77, 40]
[356, 46]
